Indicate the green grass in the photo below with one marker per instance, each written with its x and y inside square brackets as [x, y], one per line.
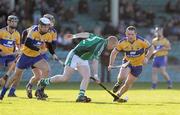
[61, 101]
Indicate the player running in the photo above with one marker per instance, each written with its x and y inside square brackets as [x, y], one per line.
[31, 54]
[9, 46]
[162, 46]
[137, 52]
[88, 49]
[37, 72]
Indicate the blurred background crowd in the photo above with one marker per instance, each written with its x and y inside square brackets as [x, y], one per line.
[74, 16]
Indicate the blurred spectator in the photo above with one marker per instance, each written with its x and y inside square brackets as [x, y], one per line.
[172, 8]
[83, 6]
[109, 30]
[172, 28]
[36, 15]
[69, 14]
[64, 43]
[98, 30]
[104, 66]
[105, 14]
[169, 7]
[3, 13]
[79, 28]
[177, 6]
[121, 28]
[129, 11]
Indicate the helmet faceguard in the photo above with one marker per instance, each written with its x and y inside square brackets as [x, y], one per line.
[51, 18]
[12, 21]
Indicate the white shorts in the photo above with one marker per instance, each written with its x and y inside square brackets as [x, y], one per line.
[74, 61]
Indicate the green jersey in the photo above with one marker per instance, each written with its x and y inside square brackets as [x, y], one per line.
[90, 48]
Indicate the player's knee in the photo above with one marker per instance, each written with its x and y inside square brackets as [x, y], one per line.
[46, 72]
[37, 74]
[64, 79]
[37, 78]
[128, 84]
[17, 75]
[164, 73]
[86, 78]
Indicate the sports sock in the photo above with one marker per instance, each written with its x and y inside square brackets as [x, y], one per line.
[12, 90]
[154, 85]
[169, 82]
[3, 92]
[46, 81]
[81, 92]
[29, 86]
[119, 82]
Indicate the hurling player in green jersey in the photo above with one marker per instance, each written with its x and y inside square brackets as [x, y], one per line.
[88, 49]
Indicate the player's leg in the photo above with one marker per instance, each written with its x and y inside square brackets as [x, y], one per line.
[13, 79]
[11, 68]
[102, 72]
[10, 62]
[43, 66]
[123, 73]
[166, 76]
[108, 74]
[84, 70]
[13, 86]
[154, 77]
[34, 79]
[16, 82]
[128, 83]
[71, 64]
[135, 71]
[68, 71]
[37, 75]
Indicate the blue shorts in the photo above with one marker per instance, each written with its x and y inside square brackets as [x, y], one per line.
[160, 61]
[25, 62]
[135, 70]
[4, 60]
[44, 56]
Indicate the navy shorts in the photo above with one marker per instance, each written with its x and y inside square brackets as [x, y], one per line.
[160, 61]
[44, 56]
[4, 60]
[25, 62]
[135, 70]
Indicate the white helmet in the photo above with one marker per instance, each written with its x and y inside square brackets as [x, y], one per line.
[44, 21]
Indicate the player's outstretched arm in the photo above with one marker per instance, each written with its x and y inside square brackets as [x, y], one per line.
[112, 58]
[78, 35]
[149, 54]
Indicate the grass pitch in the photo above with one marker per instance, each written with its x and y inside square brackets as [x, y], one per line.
[62, 96]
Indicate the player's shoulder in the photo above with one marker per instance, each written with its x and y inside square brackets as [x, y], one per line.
[53, 30]
[165, 39]
[17, 33]
[140, 38]
[122, 40]
[92, 35]
[33, 28]
[3, 29]
[31, 31]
